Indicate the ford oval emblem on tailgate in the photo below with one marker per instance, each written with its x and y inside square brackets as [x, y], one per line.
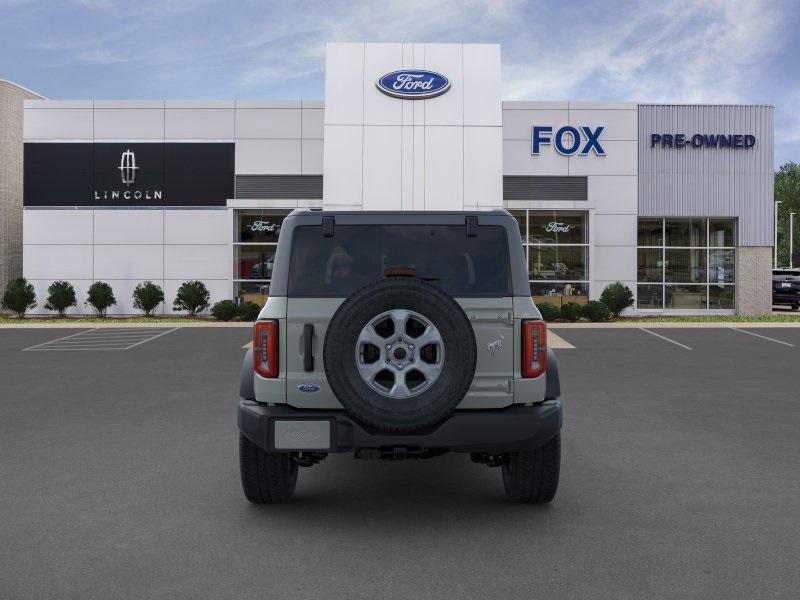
[308, 387]
[413, 84]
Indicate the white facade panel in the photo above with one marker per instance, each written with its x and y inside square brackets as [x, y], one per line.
[380, 109]
[344, 84]
[128, 227]
[68, 261]
[517, 124]
[482, 104]
[447, 109]
[265, 157]
[268, 123]
[483, 167]
[198, 261]
[313, 123]
[342, 183]
[613, 194]
[617, 124]
[58, 124]
[517, 160]
[620, 159]
[199, 123]
[444, 168]
[128, 261]
[57, 226]
[312, 157]
[382, 173]
[198, 226]
[614, 230]
[128, 124]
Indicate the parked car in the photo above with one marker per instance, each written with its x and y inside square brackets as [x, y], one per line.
[394, 336]
[786, 287]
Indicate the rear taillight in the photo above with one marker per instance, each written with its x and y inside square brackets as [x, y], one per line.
[534, 348]
[265, 348]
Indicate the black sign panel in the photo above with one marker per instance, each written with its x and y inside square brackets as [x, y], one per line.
[128, 174]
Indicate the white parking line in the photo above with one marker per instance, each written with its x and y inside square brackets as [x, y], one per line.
[98, 339]
[556, 342]
[59, 339]
[248, 345]
[763, 337]
[663, 337]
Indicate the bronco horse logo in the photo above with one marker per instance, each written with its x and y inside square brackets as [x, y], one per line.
[494, 346]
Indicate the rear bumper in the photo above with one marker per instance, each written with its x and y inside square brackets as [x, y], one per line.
[785, 297]
[491, 431]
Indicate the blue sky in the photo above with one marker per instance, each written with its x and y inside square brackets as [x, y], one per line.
[664, 50]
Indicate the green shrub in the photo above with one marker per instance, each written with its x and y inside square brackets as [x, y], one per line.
[101, 297]
[224, 310]
[617, 297]
[549, 311]
[596, 311]
[192, 296]
[147, 296]
[60, 296]
[248, 311]
[571, 311]
[19, 296]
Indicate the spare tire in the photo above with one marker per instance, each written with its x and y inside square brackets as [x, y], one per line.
[399, 355]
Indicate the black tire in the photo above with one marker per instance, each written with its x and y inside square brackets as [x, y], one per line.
[532, 476]
[267, 477]
[795, 306]
[432, 406]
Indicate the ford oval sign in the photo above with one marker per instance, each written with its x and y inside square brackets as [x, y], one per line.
[413, 84]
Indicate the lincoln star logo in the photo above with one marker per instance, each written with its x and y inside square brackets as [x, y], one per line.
[127, 167]
[494, 346]
[413, 84]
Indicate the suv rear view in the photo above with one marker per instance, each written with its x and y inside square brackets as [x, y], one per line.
[395, 336]
[786, 287]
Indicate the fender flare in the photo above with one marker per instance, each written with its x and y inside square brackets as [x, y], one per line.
[553, 389]
[246, 385]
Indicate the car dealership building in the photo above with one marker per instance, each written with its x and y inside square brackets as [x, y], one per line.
[676, 201]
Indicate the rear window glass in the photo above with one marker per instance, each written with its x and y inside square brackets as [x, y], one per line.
[358, 255]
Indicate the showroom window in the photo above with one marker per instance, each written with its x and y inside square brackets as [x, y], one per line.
[557, 249]
[255, 241]
[686, 264]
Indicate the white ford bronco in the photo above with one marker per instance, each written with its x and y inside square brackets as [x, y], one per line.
[399, 335]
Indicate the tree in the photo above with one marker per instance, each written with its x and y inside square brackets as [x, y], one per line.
[19, 296]
[147, 296]
[787, 191]
[101, 297]
[224, 310]
[60, 296]
[617, 297]
[192, 296]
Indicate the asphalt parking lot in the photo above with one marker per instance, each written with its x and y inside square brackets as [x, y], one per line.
[119, 479]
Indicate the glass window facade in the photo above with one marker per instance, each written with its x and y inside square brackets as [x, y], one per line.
[687, 264]
[255, 241]
[557, 249]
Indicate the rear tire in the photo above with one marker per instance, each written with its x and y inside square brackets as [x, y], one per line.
[267, 477]
[795, 306]
[532, 476]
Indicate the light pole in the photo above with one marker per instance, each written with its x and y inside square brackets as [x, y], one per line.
[777, 202]
[791, 238]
